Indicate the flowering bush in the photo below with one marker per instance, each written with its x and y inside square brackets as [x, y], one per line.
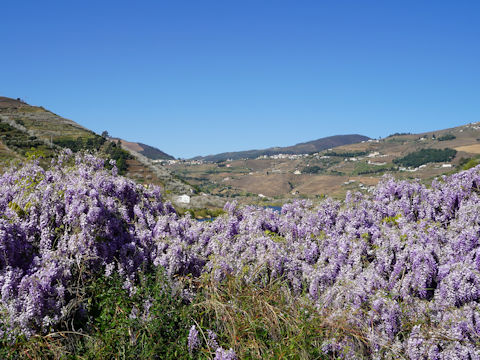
[399, 268]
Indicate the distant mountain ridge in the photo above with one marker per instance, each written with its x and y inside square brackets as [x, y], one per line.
[301, 148]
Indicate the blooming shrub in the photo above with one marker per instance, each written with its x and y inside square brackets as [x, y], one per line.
[399, 267]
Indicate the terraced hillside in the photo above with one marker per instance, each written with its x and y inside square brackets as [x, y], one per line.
[25, 127]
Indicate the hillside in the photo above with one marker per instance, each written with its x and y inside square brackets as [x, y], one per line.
[311, 169]
[352, 167]
[148, 151]
[301, 148]
[27, 129]
[153, 153]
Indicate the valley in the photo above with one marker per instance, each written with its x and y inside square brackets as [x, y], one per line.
[333, 172]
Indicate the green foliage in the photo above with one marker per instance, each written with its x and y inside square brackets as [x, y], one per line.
[202, 213]
[92, 143]
[114, 151]
[17, 208]
[151, 324]
[399, 134]
[362, 168]
[35, 154]
[275, 237]
[5, 127]
[196, 188]
[424, 156]
[347, 153]
[257, 322]
[311, 169]
[20, 141]
[97, 143]
[393, 220]
[446, 137]
[470, 163]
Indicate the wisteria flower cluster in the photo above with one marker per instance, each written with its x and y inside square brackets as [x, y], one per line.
[194, 343]
[399, 266]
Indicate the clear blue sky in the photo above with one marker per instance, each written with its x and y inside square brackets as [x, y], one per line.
[202, 77]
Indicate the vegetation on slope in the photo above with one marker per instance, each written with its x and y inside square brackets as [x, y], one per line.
[446, 137]
[20, 141]
[346, 154]
[363, 168]
[425, 156]
[92, 143]
[114, 151]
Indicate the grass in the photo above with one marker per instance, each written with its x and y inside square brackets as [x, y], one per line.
[262, 322]
[258, 322]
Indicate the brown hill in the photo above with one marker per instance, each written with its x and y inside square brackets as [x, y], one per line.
[148, 151]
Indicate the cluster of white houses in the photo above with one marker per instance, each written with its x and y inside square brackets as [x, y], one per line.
[283, 156]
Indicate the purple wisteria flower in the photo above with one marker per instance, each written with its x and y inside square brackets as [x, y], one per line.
[193, 339]
[401, 266]
[222, 354]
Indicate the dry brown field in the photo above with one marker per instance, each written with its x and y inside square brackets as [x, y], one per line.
[472, 149]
